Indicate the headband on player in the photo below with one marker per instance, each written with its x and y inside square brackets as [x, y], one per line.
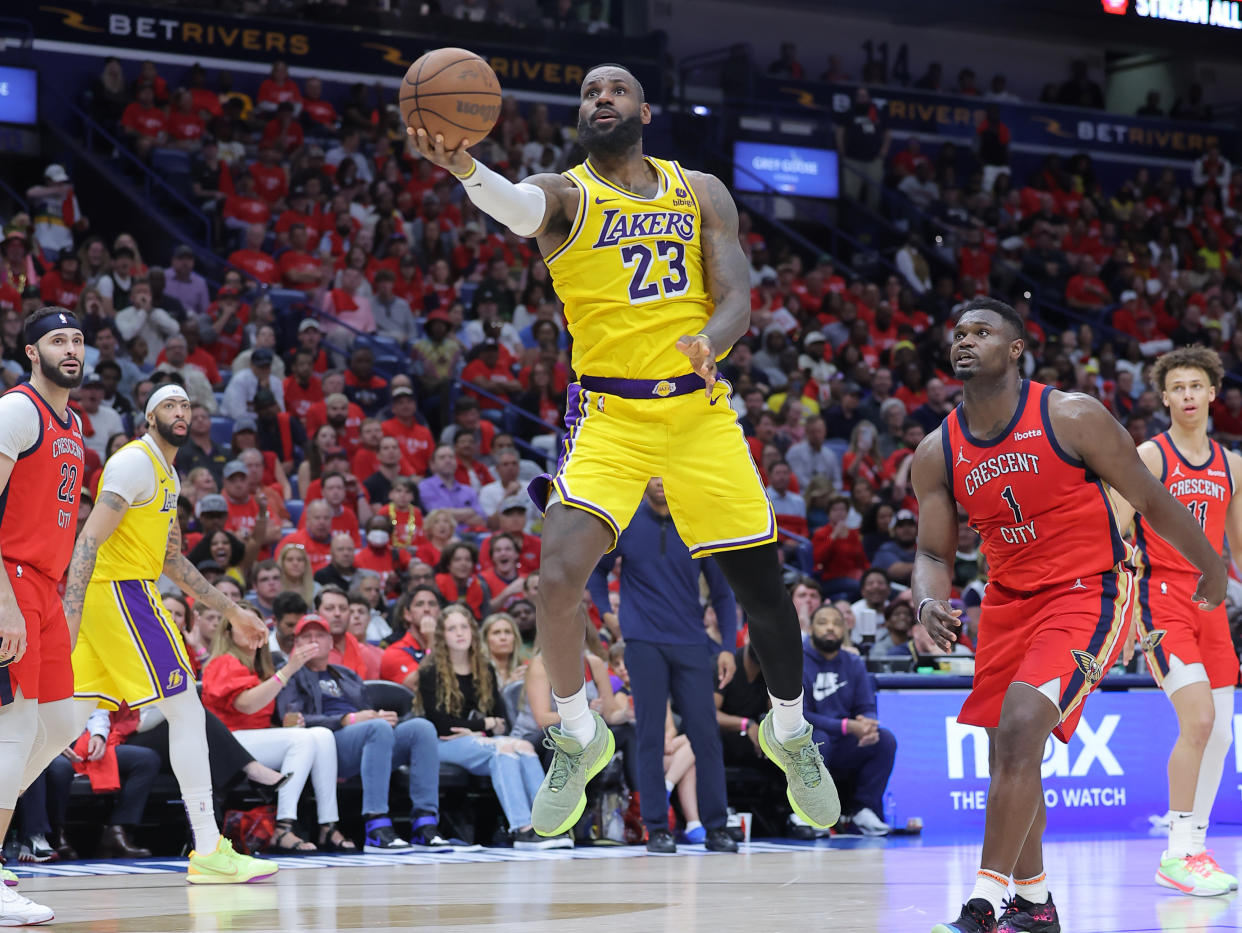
[52, 319]
[163, 394]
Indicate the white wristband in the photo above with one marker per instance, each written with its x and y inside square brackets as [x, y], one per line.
[519, 207]
[918, 615]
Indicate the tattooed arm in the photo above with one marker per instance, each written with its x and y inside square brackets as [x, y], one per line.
[177, 567]
[727, 276]
[103, 520]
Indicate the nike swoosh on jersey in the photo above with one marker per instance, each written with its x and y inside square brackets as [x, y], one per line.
[599, 200]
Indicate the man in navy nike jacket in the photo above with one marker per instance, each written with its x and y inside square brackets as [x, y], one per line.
[840, 706]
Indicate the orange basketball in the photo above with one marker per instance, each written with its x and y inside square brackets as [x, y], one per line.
[451, 92]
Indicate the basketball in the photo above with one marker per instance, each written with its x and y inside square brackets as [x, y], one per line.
[451, 92]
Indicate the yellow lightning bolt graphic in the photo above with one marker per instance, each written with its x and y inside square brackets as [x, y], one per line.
[72, 19]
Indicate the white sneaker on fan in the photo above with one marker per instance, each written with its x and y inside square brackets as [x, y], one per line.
[18, 911]
[869, 824]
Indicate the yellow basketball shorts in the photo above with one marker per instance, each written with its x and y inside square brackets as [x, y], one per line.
[615, 444]
[128, 647]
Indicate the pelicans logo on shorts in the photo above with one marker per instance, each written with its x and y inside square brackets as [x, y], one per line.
[1151, 639]
[1092, 672]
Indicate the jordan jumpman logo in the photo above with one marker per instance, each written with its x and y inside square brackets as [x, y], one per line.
[1177, 471]
[1078, 585]
[961, 456]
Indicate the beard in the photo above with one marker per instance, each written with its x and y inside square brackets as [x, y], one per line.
[52, 373]
[826, 645]
[165, 430]
[615, 140]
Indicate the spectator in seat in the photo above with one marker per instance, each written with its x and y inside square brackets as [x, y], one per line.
[896, 642]
[388, 468]
[369, 742]
[504, 578]
[504, 645]
[843, 418]
[186, 285]
[349, 306]
[993, 147]
[302, 388]
[869, 609]
[921, 187]
[838, 552]
[933, 411]
[790, 508]
[461, 696]
[436, 356]
[896, 557]
[332, 605]
[341, 569]
[393, 317]
[298, 268]
[245, 207]
[414, 617]
[266, 588]
[104, 422]
[144, 319]
[508, 484]
[811, 457]
[319, 114]
[488, 372]
[1227, 417]
[378, 554]
[1079, 90]
[1212, 170]
[840, 706]
[315, 538]
[197, 386]
[240, 394]
[359, 621]
[296, 575]
[137, 769]
[441, 490]
[1086, 291]
[787, 66]
[143, 123]
[349, 148]
[741, 703]
[413, 436]
[362, 386]
[863, 140]
[457, 578]
[346, 503]
[240, 685]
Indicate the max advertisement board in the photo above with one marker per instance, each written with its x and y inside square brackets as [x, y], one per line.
[1111, 775]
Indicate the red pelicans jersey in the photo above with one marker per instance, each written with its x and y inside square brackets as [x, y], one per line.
[1043, 516]
[1206, 490]
[39, 507]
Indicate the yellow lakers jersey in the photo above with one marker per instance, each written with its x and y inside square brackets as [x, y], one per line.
[135, 551]
[631, 275]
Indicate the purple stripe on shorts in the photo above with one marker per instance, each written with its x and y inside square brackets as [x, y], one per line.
[644, 388]
[540, 488]
[164, 666]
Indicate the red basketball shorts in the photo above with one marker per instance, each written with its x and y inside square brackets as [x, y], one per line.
[45, 672]
[1070, 634]
[1171, 625]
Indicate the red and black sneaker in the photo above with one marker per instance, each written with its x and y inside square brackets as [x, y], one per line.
[977, 917]
[1023, 916]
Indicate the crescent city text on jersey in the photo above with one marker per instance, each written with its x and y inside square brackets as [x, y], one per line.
[66, 445]
[621, 225]
[996, 467]
[1199, 487]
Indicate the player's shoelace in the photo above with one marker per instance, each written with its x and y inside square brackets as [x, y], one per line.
[563, 764]
[806, 761]
[1202, 864]
[1009, 908]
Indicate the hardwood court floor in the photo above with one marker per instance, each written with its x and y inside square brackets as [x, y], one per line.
[1101, 886]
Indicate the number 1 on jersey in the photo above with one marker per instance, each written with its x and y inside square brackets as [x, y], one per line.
[1007, 495]
[1199, 510]
[640, 256]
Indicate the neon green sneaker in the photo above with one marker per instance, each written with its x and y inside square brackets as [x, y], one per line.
[811, 792]
[1219, 874]
[225, 866]
[8, 878]
[1191, 874]
[562, 795]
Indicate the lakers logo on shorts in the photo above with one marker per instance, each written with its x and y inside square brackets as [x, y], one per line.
[663, 388]
[175, 680]
[1151, 639]
[1090, 667]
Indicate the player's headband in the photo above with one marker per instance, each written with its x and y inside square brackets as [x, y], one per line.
[51, 319]
[163, 394]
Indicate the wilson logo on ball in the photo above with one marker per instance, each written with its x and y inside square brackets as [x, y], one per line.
[482, 111]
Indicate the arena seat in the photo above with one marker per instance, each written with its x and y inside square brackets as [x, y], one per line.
[221, 430]
[295, 510]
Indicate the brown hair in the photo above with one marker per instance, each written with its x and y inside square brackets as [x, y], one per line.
[1188, 358]
[448, 692]
[260, 661]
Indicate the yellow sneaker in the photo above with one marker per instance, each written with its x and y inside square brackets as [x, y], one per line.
[8, 878]
[225, 866]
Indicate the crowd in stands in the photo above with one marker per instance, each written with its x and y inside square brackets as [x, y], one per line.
[356, 471]
[1078, 89]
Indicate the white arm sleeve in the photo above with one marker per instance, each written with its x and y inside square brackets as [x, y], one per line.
[130, 474]
[99, 723]
[19, 424]
[519, 207]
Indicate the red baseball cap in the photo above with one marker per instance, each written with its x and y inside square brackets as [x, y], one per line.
[307, 621]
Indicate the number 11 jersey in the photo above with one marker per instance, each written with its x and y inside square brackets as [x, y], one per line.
[631, 275]
[39, 507]
[1043, 516]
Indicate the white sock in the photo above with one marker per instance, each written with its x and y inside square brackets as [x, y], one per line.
[576, 719]
[1180, 829]
[202, 817]
[992, 887]
[668, 787]
[1034, 889]
[692, 826]
[787, 718]
[1212, 766]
